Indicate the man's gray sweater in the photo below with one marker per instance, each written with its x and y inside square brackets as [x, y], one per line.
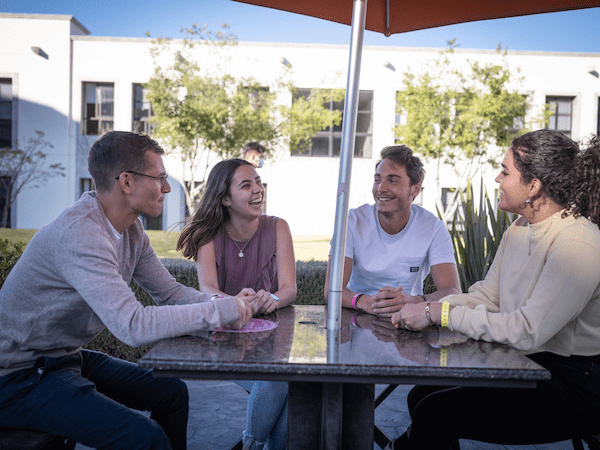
[72, 281]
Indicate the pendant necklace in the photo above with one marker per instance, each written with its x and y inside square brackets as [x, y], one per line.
[241, 253]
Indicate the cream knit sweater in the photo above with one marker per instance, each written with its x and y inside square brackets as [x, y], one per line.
[542, 292]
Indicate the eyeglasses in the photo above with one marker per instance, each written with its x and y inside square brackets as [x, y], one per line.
[162, 179]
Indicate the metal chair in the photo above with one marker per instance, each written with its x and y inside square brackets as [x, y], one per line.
[379, 436]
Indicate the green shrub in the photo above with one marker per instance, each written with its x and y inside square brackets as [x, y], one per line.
[476, 234]
[9, 255]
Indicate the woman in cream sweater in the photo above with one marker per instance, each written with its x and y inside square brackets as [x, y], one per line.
[541, 296]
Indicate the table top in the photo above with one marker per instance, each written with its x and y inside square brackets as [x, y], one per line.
[366, 350]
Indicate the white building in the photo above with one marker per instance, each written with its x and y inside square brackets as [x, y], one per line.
[56, 79]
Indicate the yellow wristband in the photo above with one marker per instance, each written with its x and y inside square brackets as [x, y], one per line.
[443, 357]
[445, 314]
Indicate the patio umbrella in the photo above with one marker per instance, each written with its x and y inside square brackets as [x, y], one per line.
[389, 17]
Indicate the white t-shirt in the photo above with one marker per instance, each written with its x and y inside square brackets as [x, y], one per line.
[404, 259]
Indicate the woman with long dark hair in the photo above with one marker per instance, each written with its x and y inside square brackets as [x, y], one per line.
[541, 296]
[238, 249]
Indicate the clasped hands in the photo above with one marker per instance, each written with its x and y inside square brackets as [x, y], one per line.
[404, 310]
[252, 303]
[387, 302]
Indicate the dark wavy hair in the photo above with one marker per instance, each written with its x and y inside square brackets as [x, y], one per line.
[402, 155]
[570, 176]
[210, 213]
[117, 152]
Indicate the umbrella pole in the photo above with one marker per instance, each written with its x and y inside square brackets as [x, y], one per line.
[336, 274]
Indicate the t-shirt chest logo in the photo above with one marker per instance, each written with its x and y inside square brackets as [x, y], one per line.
[414, 269]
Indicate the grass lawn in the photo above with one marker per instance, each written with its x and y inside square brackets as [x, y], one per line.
[164, 243]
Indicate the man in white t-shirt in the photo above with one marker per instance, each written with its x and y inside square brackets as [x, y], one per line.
[393, 245]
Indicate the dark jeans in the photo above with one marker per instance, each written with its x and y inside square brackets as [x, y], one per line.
[555, 410]
[89, 397]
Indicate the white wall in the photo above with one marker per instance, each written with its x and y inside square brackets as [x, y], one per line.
[41, 87]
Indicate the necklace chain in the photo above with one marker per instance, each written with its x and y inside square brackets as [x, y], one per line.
[241, 253]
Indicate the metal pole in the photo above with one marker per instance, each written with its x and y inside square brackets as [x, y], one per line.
[336, 274]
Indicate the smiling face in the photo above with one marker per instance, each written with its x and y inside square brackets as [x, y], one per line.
[392, 190]
[246, 192]
[513, 190]
[147, 194]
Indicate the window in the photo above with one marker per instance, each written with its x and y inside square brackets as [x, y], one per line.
[142, 110]
[98, 108]
[151, 223]
[4, 198]
[6, 109]
[86, 184]
[258, 95]
[447, 196]
[419, 198]
[400, 118]
[562, 114]
[598, 127]
[328, 141]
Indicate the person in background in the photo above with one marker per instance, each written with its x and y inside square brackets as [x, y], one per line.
[253, 152]
[541, 296]
[238, 249]
[393, 245]
[71, 283]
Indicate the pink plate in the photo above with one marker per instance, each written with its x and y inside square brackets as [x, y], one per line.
[253, 326]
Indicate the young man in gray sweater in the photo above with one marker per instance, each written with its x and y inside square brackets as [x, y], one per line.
[71, 282]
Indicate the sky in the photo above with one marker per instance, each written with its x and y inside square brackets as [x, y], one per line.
[570, 31]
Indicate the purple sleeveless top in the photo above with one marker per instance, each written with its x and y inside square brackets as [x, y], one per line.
[257, 269]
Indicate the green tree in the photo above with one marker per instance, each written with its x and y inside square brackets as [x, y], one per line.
[467, 112]
[20, 168]
[202, 113]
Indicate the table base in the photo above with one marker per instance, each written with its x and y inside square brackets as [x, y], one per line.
[330, 416]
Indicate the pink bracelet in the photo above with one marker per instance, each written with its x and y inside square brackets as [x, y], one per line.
[355, 301]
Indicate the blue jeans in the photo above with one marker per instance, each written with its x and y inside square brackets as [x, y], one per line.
[88, 397]
[267, 416]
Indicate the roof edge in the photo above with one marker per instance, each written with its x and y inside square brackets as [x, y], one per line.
[47, 17]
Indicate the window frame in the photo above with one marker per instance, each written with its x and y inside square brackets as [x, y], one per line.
[333, 134]
[598, 117]
[557, 114]
[8, 122]
[103, 121]
[144, 123]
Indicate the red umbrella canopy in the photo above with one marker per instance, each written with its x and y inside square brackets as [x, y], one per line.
[411, 15]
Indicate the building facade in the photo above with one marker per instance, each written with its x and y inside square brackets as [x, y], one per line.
[57, 79]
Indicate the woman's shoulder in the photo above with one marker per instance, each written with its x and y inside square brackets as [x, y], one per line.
[269, 219]
[579, 228]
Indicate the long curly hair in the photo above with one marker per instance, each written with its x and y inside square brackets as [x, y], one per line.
[210, 213]
[570, 176]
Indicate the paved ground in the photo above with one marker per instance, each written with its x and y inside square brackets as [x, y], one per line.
[218, 409]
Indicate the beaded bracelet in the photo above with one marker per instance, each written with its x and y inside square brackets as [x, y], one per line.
[445, 314]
